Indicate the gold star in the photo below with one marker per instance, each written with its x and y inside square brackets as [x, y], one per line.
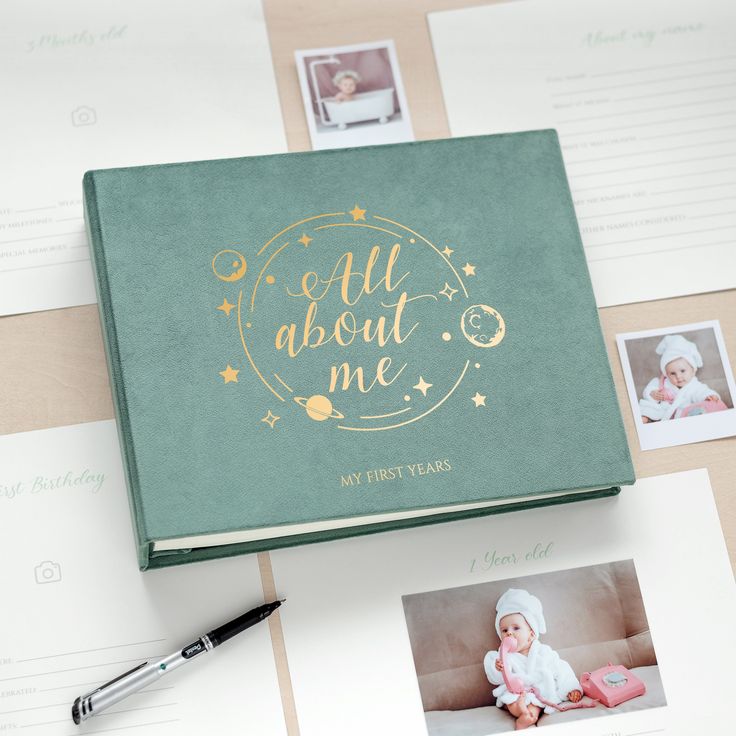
[305, 240]
[469, 270]
[448, 291]
[357, 213]
[448, 251]
[270, 419]
[230, 374]
[478, 400]
[422, 386]
[226, 307]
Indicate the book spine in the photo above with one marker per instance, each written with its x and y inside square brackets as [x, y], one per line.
[109, 337]
[610, 388]
[201, 554]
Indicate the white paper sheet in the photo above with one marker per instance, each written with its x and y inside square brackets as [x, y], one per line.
[91, 84]
[346, 634]
[642, 95]
[77, 612]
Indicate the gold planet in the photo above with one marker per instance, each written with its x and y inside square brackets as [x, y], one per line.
[318, 407]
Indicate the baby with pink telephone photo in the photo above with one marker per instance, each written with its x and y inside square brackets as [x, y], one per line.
[566, 645]
[538, 678]
[677, 392]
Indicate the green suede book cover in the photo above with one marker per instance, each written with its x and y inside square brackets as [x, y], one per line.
[330, 338]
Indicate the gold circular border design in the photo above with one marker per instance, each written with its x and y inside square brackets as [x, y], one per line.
[355, 224]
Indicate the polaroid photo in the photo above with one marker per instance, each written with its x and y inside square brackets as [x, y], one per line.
[546, 661]
[353, 95]
[680, 384]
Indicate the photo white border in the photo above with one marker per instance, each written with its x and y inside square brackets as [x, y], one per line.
[391, 132]
[656, 435]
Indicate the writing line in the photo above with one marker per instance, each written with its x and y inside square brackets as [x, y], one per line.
[657, 178]
[711, 214]
[693, 189]
[36, 209]
[41, 265]
[96, 682]
[663, 80]
[663, 250]
[41, 237]
[651, 166]
[657, 207]
[124, 728]
[663, 66]
[674, 92]
[656, 237]
[684, 132]
[648, 109]
[649, 153]
[88, 651]
[654, 122]
[74, 669]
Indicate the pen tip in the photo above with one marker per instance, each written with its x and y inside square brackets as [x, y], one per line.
[282, 600]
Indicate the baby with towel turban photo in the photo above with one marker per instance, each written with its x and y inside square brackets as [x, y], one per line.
[668, 395]
[548, 635]
[675, 373]
[545, 675]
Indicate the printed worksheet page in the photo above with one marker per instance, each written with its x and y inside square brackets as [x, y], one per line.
[641, 93]
[399, 633]
[76, 611]
[88, 84]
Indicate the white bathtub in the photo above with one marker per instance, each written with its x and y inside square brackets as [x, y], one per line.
[375, 105]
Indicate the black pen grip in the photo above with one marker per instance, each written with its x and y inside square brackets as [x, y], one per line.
[241, 623]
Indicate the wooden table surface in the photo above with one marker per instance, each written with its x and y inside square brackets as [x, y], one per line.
[52, 365]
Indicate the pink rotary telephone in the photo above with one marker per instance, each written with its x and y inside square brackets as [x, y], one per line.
[609, 685]
[612, 685]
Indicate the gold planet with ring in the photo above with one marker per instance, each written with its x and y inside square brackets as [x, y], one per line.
[318, 407]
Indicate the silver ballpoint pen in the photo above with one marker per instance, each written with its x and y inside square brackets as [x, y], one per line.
[147, 673]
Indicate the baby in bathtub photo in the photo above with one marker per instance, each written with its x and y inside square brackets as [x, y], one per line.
[548, 679]
[353, 95]
[347, 82]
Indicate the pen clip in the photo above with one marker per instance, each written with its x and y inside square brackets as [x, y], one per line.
[120, 677]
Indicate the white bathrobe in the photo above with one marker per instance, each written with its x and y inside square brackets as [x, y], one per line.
[542, 668]
[692, 392]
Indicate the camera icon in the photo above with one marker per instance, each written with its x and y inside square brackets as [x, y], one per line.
[48, 572]
[84, 115]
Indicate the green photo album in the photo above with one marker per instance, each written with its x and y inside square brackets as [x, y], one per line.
[308, 346]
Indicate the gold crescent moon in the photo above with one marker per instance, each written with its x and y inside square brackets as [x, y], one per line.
[239, 266]
[491, 336]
